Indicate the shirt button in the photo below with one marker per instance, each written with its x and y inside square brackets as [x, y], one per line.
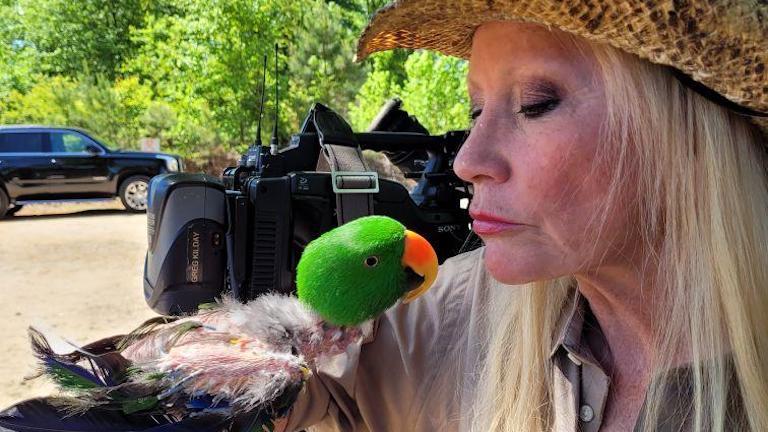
[575, 360]
[586, 413]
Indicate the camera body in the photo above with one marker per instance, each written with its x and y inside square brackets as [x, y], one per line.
[244, 233]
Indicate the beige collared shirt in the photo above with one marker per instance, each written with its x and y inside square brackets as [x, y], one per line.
[418, 370]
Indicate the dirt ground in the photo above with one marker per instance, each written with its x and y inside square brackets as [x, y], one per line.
[75, 269]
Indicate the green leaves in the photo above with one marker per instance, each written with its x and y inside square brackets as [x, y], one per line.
[110, 110]
[82, 37]
[189, 71]
[431, 86]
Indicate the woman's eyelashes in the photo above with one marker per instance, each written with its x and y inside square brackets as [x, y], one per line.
[538, 109]
[544, 96]
[529, 111]
[537, 98]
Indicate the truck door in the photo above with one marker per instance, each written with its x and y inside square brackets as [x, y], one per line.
[79, 167]
[23, 163]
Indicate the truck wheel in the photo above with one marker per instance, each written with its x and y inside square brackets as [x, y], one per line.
[13, 210]
[4, 203]
[133, 193]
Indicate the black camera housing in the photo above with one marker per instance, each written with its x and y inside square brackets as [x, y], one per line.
[245, 233]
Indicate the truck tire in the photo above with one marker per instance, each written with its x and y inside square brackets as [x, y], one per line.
[133, 193]
[13, 210]
[4, 203]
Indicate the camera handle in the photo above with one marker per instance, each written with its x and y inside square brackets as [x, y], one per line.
[353, 183]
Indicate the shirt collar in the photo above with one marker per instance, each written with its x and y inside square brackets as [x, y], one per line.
[570, 323]
[570, 332]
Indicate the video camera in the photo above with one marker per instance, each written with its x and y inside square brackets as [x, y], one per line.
[244, 233]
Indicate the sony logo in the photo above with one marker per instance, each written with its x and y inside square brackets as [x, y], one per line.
[447, 228]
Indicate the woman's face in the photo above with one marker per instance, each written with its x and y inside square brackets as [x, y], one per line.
[538, 107]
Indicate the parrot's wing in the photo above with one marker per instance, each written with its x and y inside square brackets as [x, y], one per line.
[238, 362]
[94, 375]
[174, 369]
[96, 364]
[245, 377]
[44, 415]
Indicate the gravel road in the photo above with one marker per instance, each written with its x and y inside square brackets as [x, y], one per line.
[75, 269]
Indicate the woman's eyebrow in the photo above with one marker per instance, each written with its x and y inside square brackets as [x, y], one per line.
[538, 86]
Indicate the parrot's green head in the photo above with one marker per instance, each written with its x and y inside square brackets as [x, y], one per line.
[360, 269]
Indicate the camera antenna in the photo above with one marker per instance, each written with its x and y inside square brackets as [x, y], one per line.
[257, 144]
[273, 142]
[252, 156]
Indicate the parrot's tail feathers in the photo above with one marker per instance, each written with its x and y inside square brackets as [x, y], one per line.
[180, 330]
[151, 343]
[66, 374]
[45, 415]
[148, 327]
[106, 359]
[93, 366]
[127, 398]
[71, 376]
[72, 406]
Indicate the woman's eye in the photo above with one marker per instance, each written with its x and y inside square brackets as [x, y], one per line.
[538, 109]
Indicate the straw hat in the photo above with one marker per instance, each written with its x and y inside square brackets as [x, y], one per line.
[722, 44]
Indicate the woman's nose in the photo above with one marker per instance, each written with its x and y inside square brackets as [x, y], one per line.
[481, 157]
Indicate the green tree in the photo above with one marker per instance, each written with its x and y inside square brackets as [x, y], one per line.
[436, 92]
[383, 83]
[158, 119]
[362, 8]
[92, 103]
[190, 70]
[81, 37]
[19, 60]
[431, 86]
[205, 60]
[320, 63]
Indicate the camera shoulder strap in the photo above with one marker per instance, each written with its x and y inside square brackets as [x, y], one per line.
[353, 184]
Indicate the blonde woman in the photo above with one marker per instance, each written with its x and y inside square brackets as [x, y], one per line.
[618, 157]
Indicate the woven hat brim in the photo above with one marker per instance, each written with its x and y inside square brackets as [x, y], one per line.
[722, 44]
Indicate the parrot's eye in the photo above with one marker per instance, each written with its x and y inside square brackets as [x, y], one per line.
[372, 261]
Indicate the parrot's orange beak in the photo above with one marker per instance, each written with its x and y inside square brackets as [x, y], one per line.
[421, 259]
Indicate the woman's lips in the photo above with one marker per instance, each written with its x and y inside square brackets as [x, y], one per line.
[484, 223]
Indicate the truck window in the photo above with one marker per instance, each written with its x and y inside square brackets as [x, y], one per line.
[68, 142]
[21, 142]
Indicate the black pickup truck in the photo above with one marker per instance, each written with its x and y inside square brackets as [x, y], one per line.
[55, 163]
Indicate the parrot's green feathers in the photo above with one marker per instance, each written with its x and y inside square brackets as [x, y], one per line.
[66, 379]
[354, 272]
[139, 404]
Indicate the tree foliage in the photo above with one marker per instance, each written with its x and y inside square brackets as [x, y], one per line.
[83, 36]
[189, 71]
[431, 86]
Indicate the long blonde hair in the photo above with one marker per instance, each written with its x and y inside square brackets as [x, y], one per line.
[700, 175]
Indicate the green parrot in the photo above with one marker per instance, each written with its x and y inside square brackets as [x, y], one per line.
[236, 363]
[359, 270]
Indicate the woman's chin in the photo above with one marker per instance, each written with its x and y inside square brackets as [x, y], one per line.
[513, 267]
[503, 268]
